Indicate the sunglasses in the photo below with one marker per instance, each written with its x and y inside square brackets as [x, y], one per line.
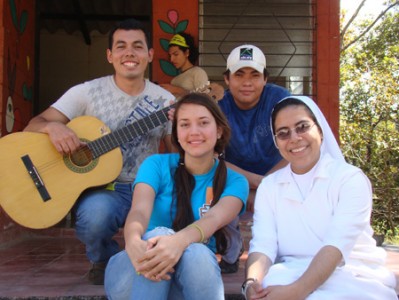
[285, 133]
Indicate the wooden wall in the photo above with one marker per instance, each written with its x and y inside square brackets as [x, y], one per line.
[327, 61]
[17, 56]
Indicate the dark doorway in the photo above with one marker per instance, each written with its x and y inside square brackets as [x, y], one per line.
[72, 38]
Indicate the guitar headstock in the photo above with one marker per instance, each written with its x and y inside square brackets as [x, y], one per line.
[213, 90]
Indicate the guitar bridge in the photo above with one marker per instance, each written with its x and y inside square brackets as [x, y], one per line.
[37, 180]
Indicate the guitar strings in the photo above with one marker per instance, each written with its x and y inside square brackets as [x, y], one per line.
[83, 152]
[104, 144]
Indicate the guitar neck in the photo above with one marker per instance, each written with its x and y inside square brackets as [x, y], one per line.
[125, 134]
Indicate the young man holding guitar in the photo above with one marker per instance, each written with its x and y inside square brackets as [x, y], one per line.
[117, 100]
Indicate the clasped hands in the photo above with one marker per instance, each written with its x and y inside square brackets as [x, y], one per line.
[157, 257]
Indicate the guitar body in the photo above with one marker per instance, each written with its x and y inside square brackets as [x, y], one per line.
[62, 178]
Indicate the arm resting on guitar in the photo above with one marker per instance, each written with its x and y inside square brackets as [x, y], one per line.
[53, 123]
[41, 121]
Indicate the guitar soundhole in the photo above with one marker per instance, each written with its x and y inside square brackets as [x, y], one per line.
[82, 157]
[81, 161]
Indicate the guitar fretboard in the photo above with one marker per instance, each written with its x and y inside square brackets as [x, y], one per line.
[122, 135]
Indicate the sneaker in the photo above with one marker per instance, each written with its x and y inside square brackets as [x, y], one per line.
[227, 268]
[96, 273]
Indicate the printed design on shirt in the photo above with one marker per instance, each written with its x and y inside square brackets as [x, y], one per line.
[207, 205]
[140, 147]
[208, 201]
[144, 108]
[246, 54]
[259, 133]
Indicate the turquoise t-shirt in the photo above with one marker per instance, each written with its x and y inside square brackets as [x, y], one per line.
[158, 172]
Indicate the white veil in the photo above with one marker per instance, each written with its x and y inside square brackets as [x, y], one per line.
[329, 144]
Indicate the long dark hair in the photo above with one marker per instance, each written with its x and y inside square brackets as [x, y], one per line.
[184, 180]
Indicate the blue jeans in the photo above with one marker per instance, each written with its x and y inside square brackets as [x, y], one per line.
[197, 276]
[99, 215]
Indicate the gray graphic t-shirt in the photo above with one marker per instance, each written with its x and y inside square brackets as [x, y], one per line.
[101, 98]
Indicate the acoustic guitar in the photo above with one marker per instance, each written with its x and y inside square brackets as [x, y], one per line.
[39, 186]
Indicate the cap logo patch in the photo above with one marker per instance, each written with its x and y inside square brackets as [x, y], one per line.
[246, 54]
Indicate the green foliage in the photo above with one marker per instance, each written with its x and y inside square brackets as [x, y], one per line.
[392, 236]
[369, 122]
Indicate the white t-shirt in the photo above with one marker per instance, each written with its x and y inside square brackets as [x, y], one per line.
[103, 99]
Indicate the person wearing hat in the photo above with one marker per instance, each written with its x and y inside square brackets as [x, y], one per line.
[183, 55]
[248, 103]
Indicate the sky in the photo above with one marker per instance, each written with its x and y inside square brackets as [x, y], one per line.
[373, 7]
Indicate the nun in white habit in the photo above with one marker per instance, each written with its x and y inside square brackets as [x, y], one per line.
[311, 237]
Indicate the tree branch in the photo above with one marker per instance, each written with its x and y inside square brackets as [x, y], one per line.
[351, 20]
[369, 27]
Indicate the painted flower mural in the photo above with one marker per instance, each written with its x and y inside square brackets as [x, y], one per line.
[171, 26]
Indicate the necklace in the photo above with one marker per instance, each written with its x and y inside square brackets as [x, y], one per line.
[182, 71]
[304, 182]
[297, 185]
